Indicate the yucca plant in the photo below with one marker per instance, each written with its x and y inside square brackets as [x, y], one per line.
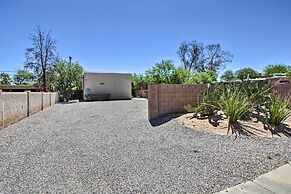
[277, 110]
[234, 104]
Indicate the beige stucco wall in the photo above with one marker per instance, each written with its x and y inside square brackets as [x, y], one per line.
[118, 85]
[34, 102]
[54, 98]
[15, 106]
[46, 99]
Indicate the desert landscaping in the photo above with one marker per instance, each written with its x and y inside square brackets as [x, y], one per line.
[250, 127]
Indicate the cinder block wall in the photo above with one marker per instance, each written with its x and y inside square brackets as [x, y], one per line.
[15, 106]
[283, 89]
[171, 98]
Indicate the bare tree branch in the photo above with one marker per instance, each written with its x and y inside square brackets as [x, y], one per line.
[41, 56]
[196, 57]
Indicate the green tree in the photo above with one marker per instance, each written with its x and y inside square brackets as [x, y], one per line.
[246, 73]
[5, 78]
[203, 77]
[276, 69]
[41, 57]
[228, 76]
[163, 72]
[181, 76]
[67, 78]
[137, 79]
[23, 77]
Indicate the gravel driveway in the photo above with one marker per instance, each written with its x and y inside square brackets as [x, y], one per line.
[111, 147]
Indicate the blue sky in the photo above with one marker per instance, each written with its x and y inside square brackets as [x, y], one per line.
[132, 35]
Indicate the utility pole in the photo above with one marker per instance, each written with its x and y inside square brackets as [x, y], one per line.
[70, 60]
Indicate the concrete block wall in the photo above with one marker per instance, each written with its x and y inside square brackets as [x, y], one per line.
[283, 89]
[15, 106]
[171, 98]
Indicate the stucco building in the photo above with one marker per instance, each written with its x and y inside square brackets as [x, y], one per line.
[106, 86]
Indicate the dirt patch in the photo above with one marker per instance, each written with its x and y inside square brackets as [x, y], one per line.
[252, 126]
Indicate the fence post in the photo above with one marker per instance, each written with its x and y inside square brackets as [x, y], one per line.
[42, 100]
[50, 98]
[2, 103]
[28, 103]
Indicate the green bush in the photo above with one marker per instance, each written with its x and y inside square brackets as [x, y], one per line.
[257, 92]
[234, 104]
[231, 99]
[277, 110]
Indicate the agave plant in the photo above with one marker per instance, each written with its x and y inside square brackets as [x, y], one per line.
[234, 104]
[277, 110]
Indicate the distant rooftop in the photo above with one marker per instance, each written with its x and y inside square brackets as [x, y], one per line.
[274, 77]
[18, 87]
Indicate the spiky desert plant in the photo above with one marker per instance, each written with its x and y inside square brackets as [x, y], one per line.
[234, 104]
[277, 110]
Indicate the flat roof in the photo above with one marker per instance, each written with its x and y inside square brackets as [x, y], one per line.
[90, 72]
[20, 87]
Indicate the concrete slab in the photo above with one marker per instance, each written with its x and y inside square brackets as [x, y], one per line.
[276, 181]
[248, 187]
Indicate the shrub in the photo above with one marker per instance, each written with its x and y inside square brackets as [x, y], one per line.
[208, 104]
[234, 104]
[277, 110]
[231, 99]
[257, 92]
[199, 112]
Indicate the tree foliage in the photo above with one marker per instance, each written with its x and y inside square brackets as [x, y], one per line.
[202, 78]
[67, 77]
[23, 77]
[276, 69]
[181, 76]
[196, 57]
[137, 79]
[163, 72]
[5, 78]
[41, 56]
[228, 76]
[246, 73]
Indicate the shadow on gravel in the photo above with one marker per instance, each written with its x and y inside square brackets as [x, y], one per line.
[280, 130]
[214, 119]
[164, 119]
[238, 129]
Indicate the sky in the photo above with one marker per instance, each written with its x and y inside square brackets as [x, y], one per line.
[132, 35]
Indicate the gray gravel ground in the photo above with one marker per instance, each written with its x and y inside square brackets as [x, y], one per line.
[111, 147]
